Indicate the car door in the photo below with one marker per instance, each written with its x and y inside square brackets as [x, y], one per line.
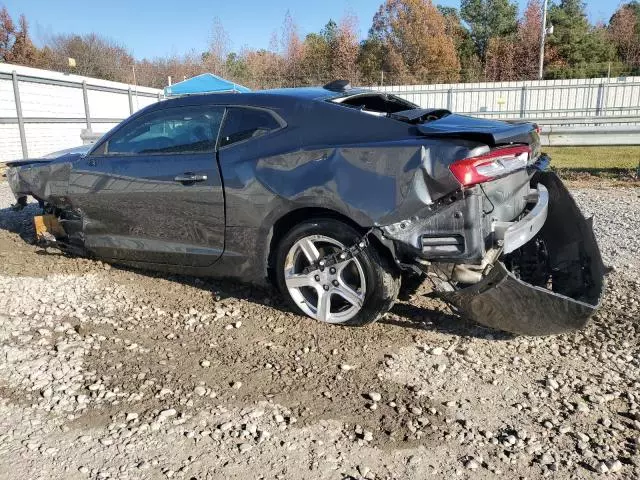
[152, 192]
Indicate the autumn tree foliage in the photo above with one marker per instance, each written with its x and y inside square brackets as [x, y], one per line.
[624, 31]
[95, 56]
[528, 39]
[15, 44]
[292, 49]
[415, 42]
[502, 63]
[516, 56]
[470, 63]
[344, 47]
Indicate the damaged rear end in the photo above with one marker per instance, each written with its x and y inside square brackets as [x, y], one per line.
[551, 284]
[510, 248]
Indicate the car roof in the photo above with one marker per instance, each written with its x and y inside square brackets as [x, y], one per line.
[277, 97]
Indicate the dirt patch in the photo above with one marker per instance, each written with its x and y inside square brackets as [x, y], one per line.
[107, 372]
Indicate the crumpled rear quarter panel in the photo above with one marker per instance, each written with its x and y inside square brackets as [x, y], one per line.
[371, 183]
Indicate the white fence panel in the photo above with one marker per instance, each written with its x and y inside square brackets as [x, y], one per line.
[10, 142]
[53, 109]
[52, 137]
[530, 99]
[50, 101]
[7, 102]
[108, 104]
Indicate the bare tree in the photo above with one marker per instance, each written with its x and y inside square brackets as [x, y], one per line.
[219, 47]
[624, 31]
[292, 50]
[95, 56]
[345, 48]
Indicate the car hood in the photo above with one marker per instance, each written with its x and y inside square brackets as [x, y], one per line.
[67, 155]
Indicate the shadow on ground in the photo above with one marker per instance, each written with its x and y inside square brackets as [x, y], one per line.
[411, 313]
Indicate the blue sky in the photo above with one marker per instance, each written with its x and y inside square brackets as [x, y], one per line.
[164, 27]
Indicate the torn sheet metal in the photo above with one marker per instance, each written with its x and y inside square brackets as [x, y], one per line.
[502, 301]
[41, 179]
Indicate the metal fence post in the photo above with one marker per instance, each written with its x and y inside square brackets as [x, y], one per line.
[16, 96]
[600, 99]
[450, 99]
[85, 95]
[130, 102]
[523, 101]
[159, 96]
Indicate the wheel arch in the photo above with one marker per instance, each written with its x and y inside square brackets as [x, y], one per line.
[292, 218]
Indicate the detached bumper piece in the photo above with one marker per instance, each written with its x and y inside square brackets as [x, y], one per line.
[550, 285]
[47, 229]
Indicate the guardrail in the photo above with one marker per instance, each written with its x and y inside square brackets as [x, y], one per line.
[587, 131]
[561, 136]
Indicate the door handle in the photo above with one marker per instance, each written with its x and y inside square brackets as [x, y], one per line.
[190, 178]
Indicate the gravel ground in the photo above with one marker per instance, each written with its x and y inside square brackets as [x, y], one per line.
[113, 373]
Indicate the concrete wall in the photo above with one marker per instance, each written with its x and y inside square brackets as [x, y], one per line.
[53, 108]
[530, 99]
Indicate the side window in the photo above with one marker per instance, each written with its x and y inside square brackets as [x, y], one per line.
[244, 123]
[174, 130]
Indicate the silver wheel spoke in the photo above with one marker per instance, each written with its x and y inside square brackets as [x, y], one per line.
[345, 279]
[296, 280]
[349, 294]
[340, 266]
[309, 249]
[324, 305]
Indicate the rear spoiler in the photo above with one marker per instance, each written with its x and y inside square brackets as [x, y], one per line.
[489, 132]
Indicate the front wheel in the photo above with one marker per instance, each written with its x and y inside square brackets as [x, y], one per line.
[354, 292]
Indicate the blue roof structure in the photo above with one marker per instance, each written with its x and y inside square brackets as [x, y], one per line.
[205, 83]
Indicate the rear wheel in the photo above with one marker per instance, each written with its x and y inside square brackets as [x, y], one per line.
[353, 292]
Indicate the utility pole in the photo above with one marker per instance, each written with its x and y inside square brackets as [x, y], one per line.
[135, 83]
[543, 34]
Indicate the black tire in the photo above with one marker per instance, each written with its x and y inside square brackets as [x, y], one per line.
[382, 278]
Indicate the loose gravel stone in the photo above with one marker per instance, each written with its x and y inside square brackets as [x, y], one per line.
[375, 396]
[107, 372]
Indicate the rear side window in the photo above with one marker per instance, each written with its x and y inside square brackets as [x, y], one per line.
[174, 130]
[377, 102]
[245, 123]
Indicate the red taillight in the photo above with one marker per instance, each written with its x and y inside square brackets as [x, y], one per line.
[498, 162]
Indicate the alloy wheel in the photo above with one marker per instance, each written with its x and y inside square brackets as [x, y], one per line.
[333, 294]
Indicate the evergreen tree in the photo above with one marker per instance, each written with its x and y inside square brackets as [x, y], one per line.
[582, 50]
[487, 19]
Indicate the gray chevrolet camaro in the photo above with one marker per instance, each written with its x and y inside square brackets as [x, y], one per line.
[336, 195]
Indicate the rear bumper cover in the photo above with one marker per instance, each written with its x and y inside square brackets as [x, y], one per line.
[502, 301]
[512, 235]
